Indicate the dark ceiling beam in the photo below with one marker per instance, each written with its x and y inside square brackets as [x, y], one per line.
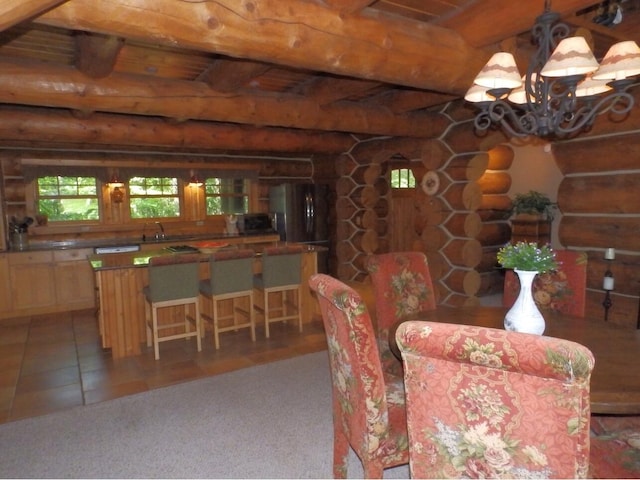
[96, 55]
[489, 21]
[227, 76]
[325, 90]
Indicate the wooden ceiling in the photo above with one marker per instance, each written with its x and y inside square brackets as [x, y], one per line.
[316, 70]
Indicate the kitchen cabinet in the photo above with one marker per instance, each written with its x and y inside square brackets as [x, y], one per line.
[5, 292]
[32, 280]
[74, 278]
[40, 282]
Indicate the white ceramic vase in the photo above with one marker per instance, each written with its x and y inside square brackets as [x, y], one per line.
[524, 316]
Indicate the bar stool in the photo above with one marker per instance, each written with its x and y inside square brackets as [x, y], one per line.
[173, 281]
[230, 278]
[280, 275]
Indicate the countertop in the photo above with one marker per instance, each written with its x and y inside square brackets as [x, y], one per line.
[39, 245]
[110, 261]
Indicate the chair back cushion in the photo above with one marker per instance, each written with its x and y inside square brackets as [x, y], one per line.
[359, 398]
[281, 266]
[402, 286]
[563, 290]
[490, 403]
[172, 277]
[230, 271]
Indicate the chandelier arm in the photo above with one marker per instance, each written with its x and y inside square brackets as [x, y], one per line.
[619, 103]
[503, 113]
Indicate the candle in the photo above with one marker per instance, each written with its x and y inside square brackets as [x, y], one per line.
[610, 254]
[608, 283]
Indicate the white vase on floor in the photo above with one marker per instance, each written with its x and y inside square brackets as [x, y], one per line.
[524, 316]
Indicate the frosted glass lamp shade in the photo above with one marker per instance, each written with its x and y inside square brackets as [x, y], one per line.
[621, 61]
[572, 56]
[499, 72]
[477, 94]
[589, 87]
[519, 95]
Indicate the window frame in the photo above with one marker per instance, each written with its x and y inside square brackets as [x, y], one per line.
[180, 194]
[99, 196]
[246, 195]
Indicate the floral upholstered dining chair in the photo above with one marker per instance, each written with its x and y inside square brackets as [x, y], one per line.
[489, 403]
[563, 290]
[403, 288]
[368, 405]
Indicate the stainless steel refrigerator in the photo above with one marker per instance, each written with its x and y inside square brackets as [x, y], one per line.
[300, 214]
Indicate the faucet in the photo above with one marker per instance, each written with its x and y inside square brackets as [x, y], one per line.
[160, 235]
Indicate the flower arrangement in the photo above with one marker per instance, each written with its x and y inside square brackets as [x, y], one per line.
[527, 256]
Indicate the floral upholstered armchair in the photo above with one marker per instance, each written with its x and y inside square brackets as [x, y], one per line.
[368, 406]
[489, 403]
[563, 290]
[403, 287]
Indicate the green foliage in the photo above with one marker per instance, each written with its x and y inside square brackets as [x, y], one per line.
[533, 203]
[527, 256]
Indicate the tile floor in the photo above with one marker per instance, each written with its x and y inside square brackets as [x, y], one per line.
[52, 362]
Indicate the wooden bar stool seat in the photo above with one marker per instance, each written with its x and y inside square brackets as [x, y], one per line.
[278, 286]
[173, 281]
[230, 279]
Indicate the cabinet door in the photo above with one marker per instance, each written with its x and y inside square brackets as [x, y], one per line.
[5, 285]
[74, 278]
[32, 285]
[74, 283]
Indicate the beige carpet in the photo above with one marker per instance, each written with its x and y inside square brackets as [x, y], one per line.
[269, 421]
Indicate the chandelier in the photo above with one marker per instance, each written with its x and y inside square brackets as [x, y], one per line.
[561, 92]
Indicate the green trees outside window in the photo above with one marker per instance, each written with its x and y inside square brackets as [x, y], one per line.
[63, 198]
[226, 196]
[154, 197]
[402, 178]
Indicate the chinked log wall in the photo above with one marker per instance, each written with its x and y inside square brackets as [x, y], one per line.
[460, 227]
[600, 201]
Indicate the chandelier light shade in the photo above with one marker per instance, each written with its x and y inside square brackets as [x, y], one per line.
[500, 71]
[572, 56]
[621, 61]
[563, 90]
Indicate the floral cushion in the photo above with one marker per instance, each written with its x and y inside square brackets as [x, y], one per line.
[368, 406]
[563, 290]
[487, 403]
[403, 287]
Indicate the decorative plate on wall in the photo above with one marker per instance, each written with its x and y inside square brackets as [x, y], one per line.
[430, 183]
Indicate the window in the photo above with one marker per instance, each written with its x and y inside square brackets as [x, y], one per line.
[64, 198]
[154, 197]
[226, 196]
[402, 178]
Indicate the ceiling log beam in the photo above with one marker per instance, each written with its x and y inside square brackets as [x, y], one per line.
[50, 127]
[487, 22]
[96, 55]
[13, 12]
[293, 33]
[230, 75]
[39, 83]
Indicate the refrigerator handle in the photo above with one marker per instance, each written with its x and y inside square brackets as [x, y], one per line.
[309, 213]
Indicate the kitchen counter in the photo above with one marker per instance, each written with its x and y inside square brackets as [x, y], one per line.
[141, 258]
[121, 277]
[38, 245]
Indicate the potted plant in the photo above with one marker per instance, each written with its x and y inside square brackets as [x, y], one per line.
[533, 203]
[527, 259]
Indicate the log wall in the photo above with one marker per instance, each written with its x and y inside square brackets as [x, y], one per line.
[599, 198]
[460, 227]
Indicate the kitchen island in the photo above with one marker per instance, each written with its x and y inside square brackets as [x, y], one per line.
[121, 277]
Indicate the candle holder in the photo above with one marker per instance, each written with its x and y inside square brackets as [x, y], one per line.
[608, 282]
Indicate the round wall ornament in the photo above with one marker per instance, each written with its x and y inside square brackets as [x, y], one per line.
[430, 183]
